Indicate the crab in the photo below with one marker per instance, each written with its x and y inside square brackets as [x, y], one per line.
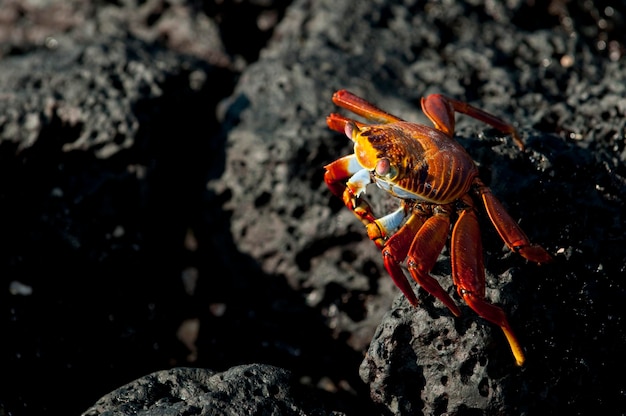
[436, 182]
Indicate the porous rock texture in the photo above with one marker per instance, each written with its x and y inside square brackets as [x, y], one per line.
[254, 389]
[166, 219]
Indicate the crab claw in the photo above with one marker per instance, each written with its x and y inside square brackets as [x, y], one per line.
[358, 182]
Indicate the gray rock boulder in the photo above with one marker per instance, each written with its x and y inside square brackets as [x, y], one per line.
[243, 390]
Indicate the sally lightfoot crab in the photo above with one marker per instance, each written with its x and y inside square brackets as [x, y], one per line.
[436, 182]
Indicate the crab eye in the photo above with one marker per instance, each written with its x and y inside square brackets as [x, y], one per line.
[349, 129]
[384, 168]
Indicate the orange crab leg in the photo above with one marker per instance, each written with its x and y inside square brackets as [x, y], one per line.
[509, 231]
[468, 274]
[423, 254]
[440, 110]
[364, 108]
[338, 123]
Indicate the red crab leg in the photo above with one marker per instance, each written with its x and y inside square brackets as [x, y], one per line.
[509, 231]
[423, 254]
[395, 251]
[440, 110]
[468, 274]
[364, 108]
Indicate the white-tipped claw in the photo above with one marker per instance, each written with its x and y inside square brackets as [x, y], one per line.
[391, 222]
[359, 181]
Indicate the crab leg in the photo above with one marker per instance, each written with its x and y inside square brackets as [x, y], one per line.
[423, 254]
[364, 108]
[440, 110]
[395, 251]
[468, 274]
[338, 123]
[509, 231]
